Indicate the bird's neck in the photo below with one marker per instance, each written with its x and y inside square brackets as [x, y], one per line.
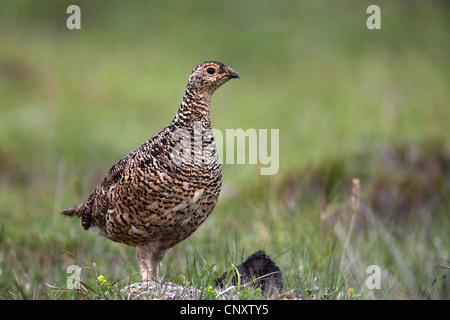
[194, 108]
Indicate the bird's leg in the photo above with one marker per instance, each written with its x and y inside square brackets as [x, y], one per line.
[149, 257]
[149, 271]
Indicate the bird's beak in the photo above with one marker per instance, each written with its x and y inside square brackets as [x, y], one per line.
[232, 75]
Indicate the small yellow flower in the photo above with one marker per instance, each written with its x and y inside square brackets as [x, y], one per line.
[210, 293]
[101, 278]
[351, 290]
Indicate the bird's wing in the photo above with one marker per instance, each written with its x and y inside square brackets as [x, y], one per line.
[98, 203]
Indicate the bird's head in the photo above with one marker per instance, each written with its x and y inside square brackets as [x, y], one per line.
[208, 76]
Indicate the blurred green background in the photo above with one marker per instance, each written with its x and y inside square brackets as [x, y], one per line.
[348, 102]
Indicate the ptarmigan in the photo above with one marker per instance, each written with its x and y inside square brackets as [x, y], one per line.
[160, 193]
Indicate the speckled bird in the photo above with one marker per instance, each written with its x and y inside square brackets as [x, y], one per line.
[161, 192]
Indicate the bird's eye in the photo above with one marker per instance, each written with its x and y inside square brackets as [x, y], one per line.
[211, 70]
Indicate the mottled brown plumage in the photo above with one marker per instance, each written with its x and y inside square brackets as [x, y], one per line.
[158, 195]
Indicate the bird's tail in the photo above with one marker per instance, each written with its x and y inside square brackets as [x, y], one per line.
[75, 211]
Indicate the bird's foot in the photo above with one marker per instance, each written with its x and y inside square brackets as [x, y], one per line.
[159, 281]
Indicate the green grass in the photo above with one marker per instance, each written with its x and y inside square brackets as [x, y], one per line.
[349, 102]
